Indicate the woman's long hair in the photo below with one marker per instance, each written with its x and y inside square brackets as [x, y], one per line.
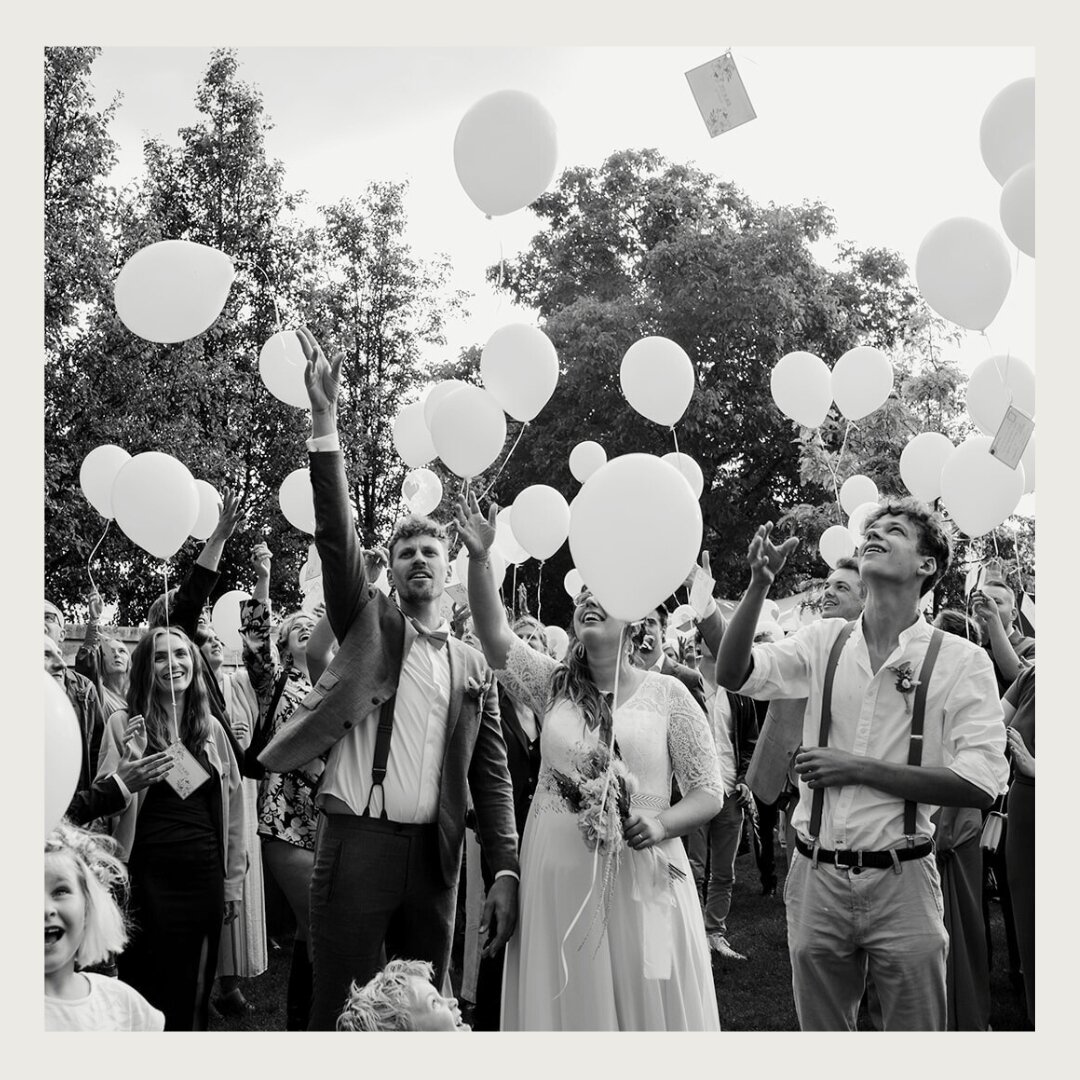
[143, 699]
[573, 680]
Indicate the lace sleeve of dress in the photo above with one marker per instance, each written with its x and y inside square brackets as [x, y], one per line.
[527, 675]
[260, 655]
[690, 744]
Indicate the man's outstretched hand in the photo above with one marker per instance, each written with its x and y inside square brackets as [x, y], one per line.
[322, 377]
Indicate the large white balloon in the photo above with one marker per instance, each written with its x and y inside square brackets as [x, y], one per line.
[226, 617]
[857, 521]
[156, 502]
[996, 383]
[585, 459]
[963, 271]
[520, 369]
[978, 490]
[63, 753]
[1027, 463]
[861, 381]
[505, 540]
[434, 397]
[468, 430]
[97, 474]
[1007, 131]
[855, 491]
[412, 440]
[297, 500]
[505, 151]
[498, 566]
[281, 367]
[657, 379]
[209, 510]
[836, 543]
[801, 386]
[173, 290]
[1017, 209]
[422, 491]
[541, 520]
[921, 462]
[690, 469]
[634, 532]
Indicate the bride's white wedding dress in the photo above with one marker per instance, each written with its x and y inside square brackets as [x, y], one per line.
[650, 970]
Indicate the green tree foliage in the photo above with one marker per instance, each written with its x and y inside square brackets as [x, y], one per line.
[640, 246]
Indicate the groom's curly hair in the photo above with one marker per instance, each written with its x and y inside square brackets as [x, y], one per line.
[411, 525]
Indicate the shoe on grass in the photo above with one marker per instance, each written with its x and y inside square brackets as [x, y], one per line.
[720, 944]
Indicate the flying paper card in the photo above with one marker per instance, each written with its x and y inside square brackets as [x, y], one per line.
[720, 95]
[1012, 437]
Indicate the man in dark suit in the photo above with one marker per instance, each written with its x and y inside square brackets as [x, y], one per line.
[407, 718]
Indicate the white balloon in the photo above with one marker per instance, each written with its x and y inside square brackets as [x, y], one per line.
[156, 502]
[412, 440]
[585, 459]
[505, 150]
[634, 532]
[861, 381]
[690, 470]
[173, 290]
[209, 510]
[226, 617]
[963, 271]
[422, 491]
[505, 540]
[1007, 131]
[468, 430]
[978, 490]
[97, 474]
[63, 753]
[836, 543]
[541, 520]
[558, 641]
[855, 491]
[857, 522]
[657, 379]
[1027, 463]
[572, 583]
[297, 500]
[498, 566]
[1017, 208]
[434, 397]
[996, 383]
[282, 366]
[801, 386]
[519, 368]
[921, 462]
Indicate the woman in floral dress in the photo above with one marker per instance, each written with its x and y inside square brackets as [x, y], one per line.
[602, 945]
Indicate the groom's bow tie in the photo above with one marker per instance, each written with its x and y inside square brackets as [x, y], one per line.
[436, 638]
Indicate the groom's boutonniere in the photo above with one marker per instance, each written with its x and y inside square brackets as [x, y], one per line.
[905, 680]
[474, 688]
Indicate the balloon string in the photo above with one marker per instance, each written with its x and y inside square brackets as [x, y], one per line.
[513, 595]
[504, 461]
[168, 628]
[108, 522]
[539, 579]
[251, 265]
[675, 437]
[832, 475]
[608, 773]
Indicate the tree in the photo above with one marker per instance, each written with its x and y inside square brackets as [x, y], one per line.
[639, 246]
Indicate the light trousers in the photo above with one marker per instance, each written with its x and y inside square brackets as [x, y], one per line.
[844, 925]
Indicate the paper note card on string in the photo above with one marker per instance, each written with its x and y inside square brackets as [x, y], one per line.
[720, 95]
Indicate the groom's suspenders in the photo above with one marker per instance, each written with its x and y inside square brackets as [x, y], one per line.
[381, 755]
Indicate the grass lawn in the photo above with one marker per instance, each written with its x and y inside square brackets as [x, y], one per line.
[753, 995]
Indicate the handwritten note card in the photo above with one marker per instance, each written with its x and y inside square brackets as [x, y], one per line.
[720, 95]
[186, 773]
[1012, 437]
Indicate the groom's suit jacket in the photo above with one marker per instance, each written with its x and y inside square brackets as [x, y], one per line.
[370, 630]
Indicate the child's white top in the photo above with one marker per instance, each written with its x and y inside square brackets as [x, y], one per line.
[110, 1005]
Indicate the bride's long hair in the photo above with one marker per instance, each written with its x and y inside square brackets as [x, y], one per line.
[573, 681]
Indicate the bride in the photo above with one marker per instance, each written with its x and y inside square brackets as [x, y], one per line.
[602, 945]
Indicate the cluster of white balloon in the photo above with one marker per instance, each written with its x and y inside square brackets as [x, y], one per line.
[963, 272]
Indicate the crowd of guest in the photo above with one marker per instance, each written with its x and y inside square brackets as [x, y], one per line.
[355, 746]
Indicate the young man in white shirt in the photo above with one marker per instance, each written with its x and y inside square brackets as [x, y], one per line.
[863, 895]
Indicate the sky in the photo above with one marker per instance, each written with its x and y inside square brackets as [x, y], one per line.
[887, 137]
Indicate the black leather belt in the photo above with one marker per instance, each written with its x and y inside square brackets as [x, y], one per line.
[876, 860]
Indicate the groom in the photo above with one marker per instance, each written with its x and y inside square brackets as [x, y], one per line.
[408, 719]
